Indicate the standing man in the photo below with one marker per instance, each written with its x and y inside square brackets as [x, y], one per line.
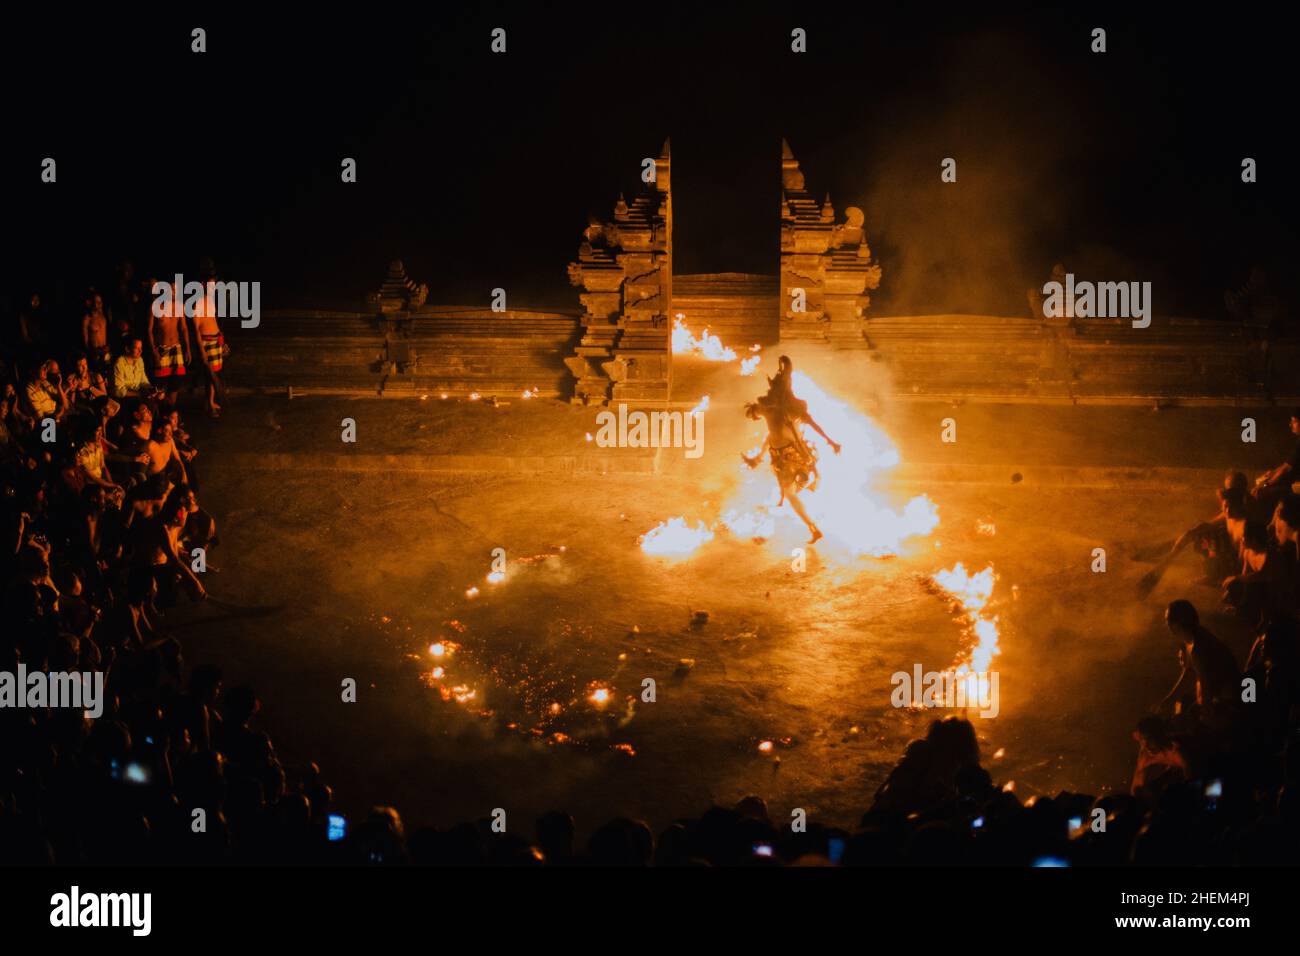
[169, 339]
[212, 345]
[94, 335]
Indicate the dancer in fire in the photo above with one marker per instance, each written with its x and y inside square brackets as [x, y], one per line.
[794, 462]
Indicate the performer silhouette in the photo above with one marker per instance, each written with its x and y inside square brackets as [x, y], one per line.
[794, 462]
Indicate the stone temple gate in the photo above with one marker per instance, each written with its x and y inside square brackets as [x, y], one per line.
[625, 271]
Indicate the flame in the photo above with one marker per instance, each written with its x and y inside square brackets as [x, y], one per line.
[855, 520]
[675, 538]
[972, 593]
[707, 346]
[844, 505]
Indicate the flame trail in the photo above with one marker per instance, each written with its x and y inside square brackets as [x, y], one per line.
[675, 538]
[706, 346]
[972, 593]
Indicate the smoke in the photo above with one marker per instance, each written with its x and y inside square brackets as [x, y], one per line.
[977, 244]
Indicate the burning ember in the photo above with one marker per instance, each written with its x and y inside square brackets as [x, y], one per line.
[707, 346]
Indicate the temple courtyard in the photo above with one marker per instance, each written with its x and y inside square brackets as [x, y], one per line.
[771, 667]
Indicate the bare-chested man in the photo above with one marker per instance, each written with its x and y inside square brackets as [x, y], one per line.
[162, 551]
[793, 462]
[169, 339]
[163, 453]
[94, 335]
[212, 347]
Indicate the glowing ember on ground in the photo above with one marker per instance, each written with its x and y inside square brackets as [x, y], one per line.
[531, 393]
[438, 650]
[675, 538]
[471, 593]
[706, 346]
[986, 528]
[600, 695]
[438, 673]
[474, 396]
[496, 577]
[765, 747]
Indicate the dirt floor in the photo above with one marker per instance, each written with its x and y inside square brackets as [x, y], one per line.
[369, 562]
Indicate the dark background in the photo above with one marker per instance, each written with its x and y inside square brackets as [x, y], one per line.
[479, 170]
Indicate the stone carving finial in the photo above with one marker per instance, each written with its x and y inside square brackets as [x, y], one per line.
[399, 292]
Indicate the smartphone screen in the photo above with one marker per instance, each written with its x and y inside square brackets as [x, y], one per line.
[338, 827]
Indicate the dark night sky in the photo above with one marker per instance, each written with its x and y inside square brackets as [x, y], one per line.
[480, 170]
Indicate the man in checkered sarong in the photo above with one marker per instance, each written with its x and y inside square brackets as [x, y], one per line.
[212, 348]
[169, 341]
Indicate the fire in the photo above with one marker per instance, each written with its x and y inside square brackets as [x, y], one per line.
[972, 593]
[600, 695]
[675, 538]
[854, 518]
[706, 346]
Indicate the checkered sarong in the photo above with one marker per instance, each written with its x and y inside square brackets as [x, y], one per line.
[171, 361]
[214, 350]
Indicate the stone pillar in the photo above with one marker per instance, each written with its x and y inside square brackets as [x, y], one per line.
[624, 270]
[826, 267]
